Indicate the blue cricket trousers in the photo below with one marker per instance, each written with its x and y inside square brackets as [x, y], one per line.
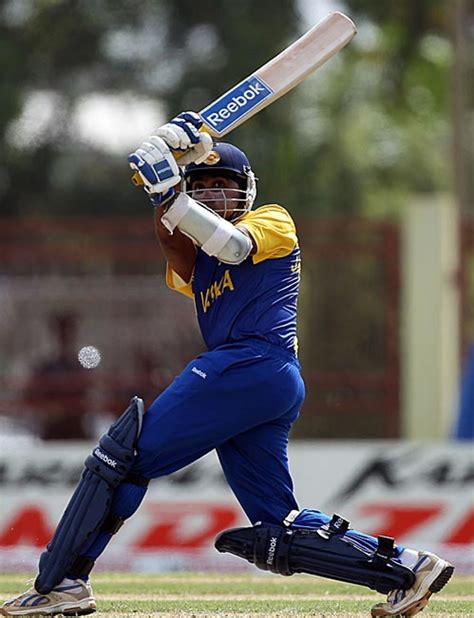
[240, 399]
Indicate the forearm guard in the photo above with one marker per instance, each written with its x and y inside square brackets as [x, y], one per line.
[216, 236]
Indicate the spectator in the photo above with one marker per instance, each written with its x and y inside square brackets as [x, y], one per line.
[57, 390]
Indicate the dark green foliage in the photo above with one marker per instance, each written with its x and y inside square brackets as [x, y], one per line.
[355, 138]
[360, 135]
[181, 54]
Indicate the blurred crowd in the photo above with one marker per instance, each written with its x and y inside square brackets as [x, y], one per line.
[63, 400]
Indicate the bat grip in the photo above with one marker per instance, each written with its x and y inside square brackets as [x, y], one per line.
[137, 179]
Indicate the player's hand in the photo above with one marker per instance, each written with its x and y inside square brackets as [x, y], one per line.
[162, 199]
[156, 166]
[182, 134]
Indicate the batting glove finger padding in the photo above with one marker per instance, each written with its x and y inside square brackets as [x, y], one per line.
[189, 122]
[156, 165]
[162, 199]
[190, 128]
[174, 136]
[183, 134]
[199, 153]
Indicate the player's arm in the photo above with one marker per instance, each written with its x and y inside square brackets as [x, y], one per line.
[160, 174]
[178, 249]
[157, 167]
[215, 235]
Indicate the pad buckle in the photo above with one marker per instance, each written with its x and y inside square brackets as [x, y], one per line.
[385, 548]
[137, 479]
[112, 523]
[290, 518]
[81, 566]
[337, 525]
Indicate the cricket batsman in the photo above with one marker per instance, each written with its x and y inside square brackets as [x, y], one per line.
[241, 268]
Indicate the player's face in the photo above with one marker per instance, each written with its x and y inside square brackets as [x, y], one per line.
[218, 192]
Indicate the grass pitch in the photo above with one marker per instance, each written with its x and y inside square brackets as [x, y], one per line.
[121, 595]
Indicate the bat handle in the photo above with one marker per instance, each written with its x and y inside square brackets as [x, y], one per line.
[137, 180]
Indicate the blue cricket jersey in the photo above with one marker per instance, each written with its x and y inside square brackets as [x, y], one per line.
[257, 298]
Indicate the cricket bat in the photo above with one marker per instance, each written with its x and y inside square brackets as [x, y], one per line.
[276, 77]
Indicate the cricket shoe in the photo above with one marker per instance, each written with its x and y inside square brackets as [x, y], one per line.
[431, 575]
[70, 598]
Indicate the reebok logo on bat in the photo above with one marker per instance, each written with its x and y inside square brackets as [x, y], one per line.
[224, 112]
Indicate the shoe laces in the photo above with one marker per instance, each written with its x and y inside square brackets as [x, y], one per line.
[395, 596]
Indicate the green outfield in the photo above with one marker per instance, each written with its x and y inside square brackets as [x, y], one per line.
[244, 595]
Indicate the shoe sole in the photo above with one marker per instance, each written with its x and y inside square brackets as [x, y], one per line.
[56, 611]
[79, 612]
[436, 585]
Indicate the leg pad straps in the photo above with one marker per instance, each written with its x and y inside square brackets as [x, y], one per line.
[88, 509]
[322, 552]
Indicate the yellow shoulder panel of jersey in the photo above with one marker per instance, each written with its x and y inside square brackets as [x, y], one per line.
[273, 231]
[175, 282]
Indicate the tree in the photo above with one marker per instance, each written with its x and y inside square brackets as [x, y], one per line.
[178, 54]
[383, 127]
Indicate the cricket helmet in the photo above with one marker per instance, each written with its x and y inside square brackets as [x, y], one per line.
[228, 160]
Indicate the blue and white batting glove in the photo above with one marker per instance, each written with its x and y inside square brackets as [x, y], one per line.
[162, 199]
[156, 165]
[183, 134]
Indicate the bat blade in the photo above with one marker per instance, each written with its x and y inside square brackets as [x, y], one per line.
[275, 78]
[279, 75]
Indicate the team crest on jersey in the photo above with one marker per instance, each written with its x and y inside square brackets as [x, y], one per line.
[296, 266]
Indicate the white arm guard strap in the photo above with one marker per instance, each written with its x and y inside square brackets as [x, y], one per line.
[216, 236]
